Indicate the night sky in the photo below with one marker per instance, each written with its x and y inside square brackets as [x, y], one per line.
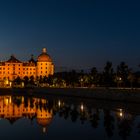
[78, 34]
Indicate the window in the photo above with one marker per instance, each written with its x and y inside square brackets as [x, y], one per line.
[3, 68]
[18, 72]
[41, 67]
[46, 67]
[30, 68]
[41, 71]
[46, 71]
[26, 68]
[19, 68]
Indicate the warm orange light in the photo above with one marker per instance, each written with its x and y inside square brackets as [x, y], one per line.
[82, 107]
[59, 103]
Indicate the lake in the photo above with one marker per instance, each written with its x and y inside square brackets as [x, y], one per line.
[67, 118]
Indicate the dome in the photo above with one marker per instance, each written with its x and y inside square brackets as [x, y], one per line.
[44, 57]
[44, 121]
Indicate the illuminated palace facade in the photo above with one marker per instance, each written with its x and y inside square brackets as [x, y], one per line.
[10, 110]
[12, 68]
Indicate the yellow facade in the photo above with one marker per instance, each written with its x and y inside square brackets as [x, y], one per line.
[11, 111]
[12, 68]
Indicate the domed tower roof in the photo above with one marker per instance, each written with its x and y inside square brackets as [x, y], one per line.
[44, 57]
[44, 123]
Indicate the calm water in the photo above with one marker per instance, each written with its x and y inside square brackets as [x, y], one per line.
[51, 118]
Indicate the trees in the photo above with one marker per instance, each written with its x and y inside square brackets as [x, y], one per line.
[122, 72]
[108, 74]
[17, 81]
[94, 76]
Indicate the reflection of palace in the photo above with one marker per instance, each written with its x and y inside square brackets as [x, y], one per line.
[13, 68]
[13, 109]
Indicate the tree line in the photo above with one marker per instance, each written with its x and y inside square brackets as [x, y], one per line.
[122, 76]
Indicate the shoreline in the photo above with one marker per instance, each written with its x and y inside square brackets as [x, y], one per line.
[113, 94]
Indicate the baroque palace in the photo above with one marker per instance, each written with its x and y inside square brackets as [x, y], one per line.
[27, 108]
[13, 68]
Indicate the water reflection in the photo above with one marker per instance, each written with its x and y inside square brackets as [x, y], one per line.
[16, 107]
[116, 120]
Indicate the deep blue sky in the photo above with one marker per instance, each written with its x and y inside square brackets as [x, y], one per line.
[77, 33]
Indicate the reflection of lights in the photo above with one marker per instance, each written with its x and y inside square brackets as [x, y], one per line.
[59, 103]
[44, 129]
[10, 100]
[82, 107]
[121, 114]
[6, 101]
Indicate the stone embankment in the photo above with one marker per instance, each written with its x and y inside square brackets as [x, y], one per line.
[125, 95]
[114, 94]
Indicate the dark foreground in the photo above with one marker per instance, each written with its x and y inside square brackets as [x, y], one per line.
[36, 115]
[122, 95]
